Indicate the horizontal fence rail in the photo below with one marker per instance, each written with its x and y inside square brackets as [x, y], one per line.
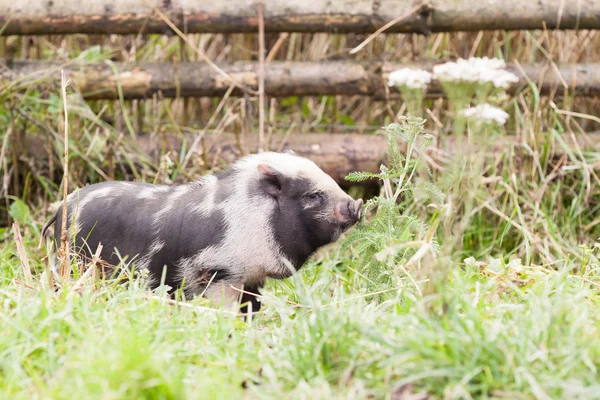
[282, 78]
[336, 154]
[42, 17]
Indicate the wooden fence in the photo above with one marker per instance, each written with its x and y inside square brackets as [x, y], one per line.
[281, 78]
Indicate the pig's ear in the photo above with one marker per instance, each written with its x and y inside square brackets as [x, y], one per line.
[270, 180]
[290, 151]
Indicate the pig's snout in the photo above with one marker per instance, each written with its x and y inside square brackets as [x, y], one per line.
[350, 210]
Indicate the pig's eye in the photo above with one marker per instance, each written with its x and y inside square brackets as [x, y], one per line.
[315, 197]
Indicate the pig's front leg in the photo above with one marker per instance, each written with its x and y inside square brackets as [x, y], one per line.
[224, 294]
[227, 294]
[250, 297]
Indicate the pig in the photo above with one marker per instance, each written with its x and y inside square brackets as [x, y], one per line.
[221, 235]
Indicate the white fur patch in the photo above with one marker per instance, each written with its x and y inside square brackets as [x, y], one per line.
[78, 202]
[209, 188]
[156, 246]
[248, 249]
[151, 192]
[292, 166]
[170, 202]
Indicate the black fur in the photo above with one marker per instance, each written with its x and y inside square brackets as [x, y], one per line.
[133, 222]
[249, 298]
[297, 230]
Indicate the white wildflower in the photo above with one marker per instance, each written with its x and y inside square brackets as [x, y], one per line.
[459, 71]
[480, 70]
[411, 78]
[472, 262]
[485, 113]
[486, 63]
[498, 77]
[515, 264]
[496, 266]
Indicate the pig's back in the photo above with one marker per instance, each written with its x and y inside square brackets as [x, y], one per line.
[114, 214]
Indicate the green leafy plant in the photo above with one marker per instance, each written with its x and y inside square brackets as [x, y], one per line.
[394, 237]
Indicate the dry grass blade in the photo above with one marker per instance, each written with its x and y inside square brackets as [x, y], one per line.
[407, 14]
[202, 54]
[21, 283]
[4, 166]
[90, 271]
[277, 46]
[201, 309]
[65, 261]
[405, 392]
[574, 114]
[261, 77]
[22, 255]
[199, 137]
[47, 268]
[242, 291]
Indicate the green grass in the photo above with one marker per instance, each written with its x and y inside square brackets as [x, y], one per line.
[487, 330]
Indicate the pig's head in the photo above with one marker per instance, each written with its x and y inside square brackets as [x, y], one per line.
[308, 208]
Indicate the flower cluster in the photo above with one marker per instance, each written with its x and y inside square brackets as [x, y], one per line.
[475, 70]
[410, 78]
[485, 114]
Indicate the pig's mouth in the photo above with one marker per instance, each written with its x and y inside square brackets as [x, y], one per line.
[353, 212]
[344, 226]
[341, 228]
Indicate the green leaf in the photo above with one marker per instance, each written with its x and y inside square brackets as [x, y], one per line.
[305, 110]
[94, 53]
[427, 190]
[361, 176]
[346, 120]
[19, 211]
[289, 101]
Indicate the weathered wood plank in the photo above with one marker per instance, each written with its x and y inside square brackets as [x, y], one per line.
[336, 154]
[35, 17]
[282, 79]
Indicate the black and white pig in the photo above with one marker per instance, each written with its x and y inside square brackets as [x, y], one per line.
[261, 218]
